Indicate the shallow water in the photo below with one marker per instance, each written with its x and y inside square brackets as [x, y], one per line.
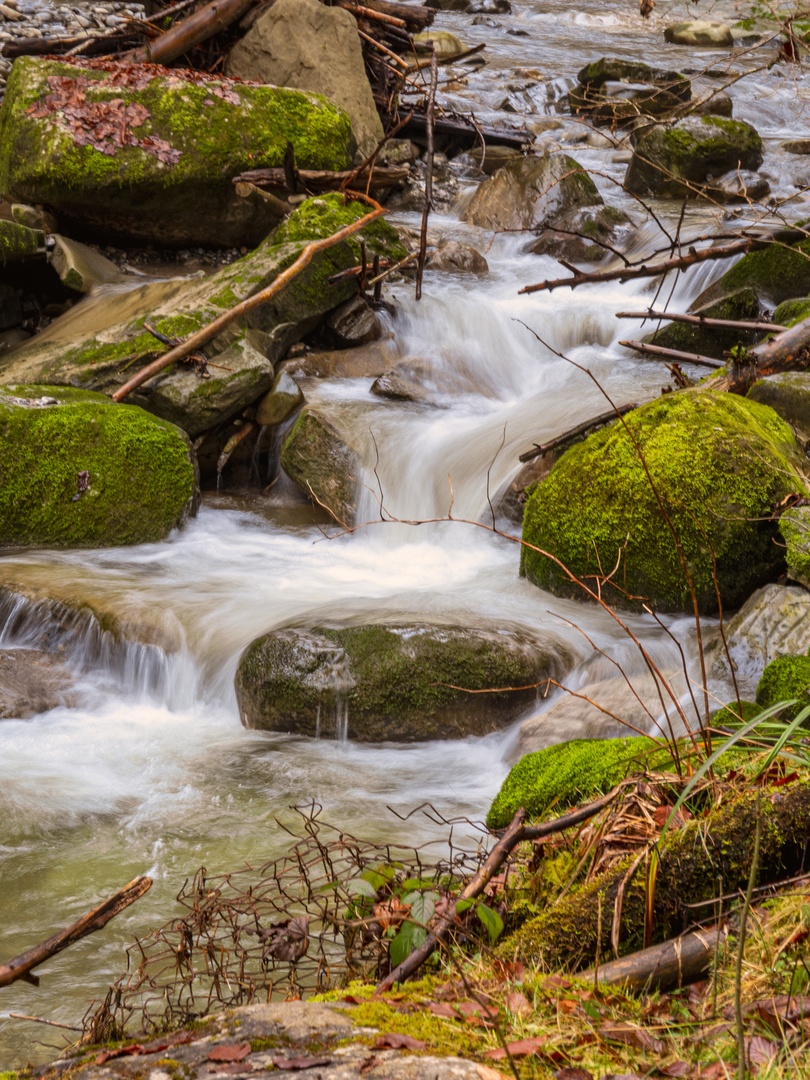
[152, 771]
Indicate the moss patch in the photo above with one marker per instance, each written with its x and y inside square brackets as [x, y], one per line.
[735, 713]
[785, 678]
[710, 340]
[718, 462]
[18, 243]
[777, 273]
[790, 312]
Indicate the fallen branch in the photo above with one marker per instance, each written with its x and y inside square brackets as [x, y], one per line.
[673, 354]
[447, 59]
[324, 180]
[514, 835]
[209, 332]
[672, 964]
[429, 118]
[788, 351]
[51, 46]
[575, 432]
[200, 26]
[415, 15]
[370, 13]
[700, 320]
[21, 966]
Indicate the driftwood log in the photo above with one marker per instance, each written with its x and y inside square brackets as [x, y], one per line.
[788, 351]
[22, 966]
[203, 24]
[672, 354]
[675, 963]
[701, 320]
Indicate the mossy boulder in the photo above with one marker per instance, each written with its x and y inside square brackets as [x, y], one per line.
[615, 69]
[794, 525]
[784, 679]
[77, 471]
[148, 154]
[734, 714]
[678, 161]
[18, 242]
[790, 312]
[570, 772]
[316, 456]
[101, 347]
[718, 462]
[531, 193]
[788, 394]
[375, 683]
[713, 341]
[776, 273]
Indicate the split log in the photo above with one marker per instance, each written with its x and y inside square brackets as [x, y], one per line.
[22, 966]
[209, 332]
[578, 432]
[203, 24]
[701, 320]
[788, 351]
[673, 354]
[380, 178]
[667, 966]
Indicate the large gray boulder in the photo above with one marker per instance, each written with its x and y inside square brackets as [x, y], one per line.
[149, 154]
[375, 683]
[531, 193]
[679, 161]
[302, 43]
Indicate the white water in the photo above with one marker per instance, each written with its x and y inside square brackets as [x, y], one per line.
[152, 772]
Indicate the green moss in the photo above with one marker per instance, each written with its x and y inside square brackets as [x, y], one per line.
[785, 678]
[18, 243]
[718, 462]
[708, 340]
[790, 312]
[776, 273]
[563, 774]
[318, 218]
[141, 473]
[794, 525]
[735, 713]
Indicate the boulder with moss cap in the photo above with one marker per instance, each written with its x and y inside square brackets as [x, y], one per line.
[718, 464]
[77, 471]
[165, 175]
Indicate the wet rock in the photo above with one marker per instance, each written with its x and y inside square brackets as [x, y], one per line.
[796, 146]
[597, 505]
[531, 193]
[302, 44]
[31, 682]
[280, 402]
[615, 70]
[454, 256]
[17, 242]
[700, 33]
[494, 158]
[164, 175]
[34, 217]
[775, 274]
[399, 152]
[773, 622]
[792, 311]
[573, 717]
[364, 362]
[10, 307]
[788, 394]
[316, 456]
[511, 501]
[718, 104]
[79, 471]
[742, 306]
[94, 346]
[447, 5]
[596, 226]
[678, 161]
[621, 102]
[355, 323]
[794, 525]
[10, 339]
[81, 267]
[411, 195]
[489, 7]
[444, 43]
[419, 380]
[375, 683]
[739, 186]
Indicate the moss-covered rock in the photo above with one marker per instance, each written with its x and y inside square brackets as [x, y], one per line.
[531, 193]
[174, 140]
[788, 394]
[78, 471]
[373, 683]
[616, 69]
[713, 341]
[18, 242]
[678, 161]
[790, 312]
[316, 456]
[794, 525]
[101, 347]
[718, 462]
[584, 235]
[785, 678]
[735, 713]
[562, 775]
[777, 273]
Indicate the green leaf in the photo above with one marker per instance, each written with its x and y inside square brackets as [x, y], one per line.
[410, 937]
[361, 887]
[463, 905]
[417, 883]
[423, 905]
[379, 875]
[491, 921]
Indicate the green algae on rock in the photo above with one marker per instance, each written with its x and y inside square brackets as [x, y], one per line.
[166, 175]
[78, 471]
[18, 242]
[777, 273]
[676, 162]
[784, 679]
[718, 462]
[372, 683]
[563, 774]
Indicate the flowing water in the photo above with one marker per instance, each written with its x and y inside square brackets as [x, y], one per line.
[150, 771]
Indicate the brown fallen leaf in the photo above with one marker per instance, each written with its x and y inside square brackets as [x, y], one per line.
[391, 912]
[487, 1073]
[782, 1012]
[473, 1008]
[290, 1064]
[760, 1051]
[368, 1063]
[392, 1040]
[517, 1003]
[120, 1051]
[572, 1073]
[676, 1068]
[521, 1048]
[287, 940]
[631, 1035]
[229, 1052]
[441, 1008]
[232, 1068]
[716, 1070]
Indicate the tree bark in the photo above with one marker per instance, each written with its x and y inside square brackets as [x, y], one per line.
[675, 963]
[200, 26]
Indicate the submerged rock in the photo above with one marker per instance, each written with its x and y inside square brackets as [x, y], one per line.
[31, 682]
[531, 193]
[78, 471]
[678, 161]
[700, 33]
[376, 683]
[149, 154]
[456, 257]
[318, 459]
[97, 346]
[302, 43]
[719, 464]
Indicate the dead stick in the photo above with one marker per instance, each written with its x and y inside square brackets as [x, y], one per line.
[580, 429]
[200, 26]
[21, 966]
[447, 59]
[376, 16]
[673, 354]
[207, 333]
[382, 48]
[420, 266]
[514, 835]
[700, 320]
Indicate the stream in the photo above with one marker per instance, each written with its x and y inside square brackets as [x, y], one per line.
[151, 771]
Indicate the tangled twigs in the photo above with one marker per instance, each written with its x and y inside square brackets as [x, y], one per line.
[209, 332]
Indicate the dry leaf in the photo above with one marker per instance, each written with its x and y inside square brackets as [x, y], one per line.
[677, 1068]
[572, 1074]
[487, 1073]
[229, 1052]
[631, 1035]
[289, 1064]
[440, 1008]
[716, 1070]
[518, 1003]
[760, 1051]
[391, 912]
[521, 1048]
[393, 1041]
[288, 940]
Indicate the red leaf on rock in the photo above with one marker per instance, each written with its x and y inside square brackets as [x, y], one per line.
[631, 1035]
[290, 1064]
[229, 1052]
[521, 1048]
[394, 1041]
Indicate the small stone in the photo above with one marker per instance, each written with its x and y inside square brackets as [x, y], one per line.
[796, 146]
[700, 33]
[355, 323]
[33, 217]
[454, 256]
